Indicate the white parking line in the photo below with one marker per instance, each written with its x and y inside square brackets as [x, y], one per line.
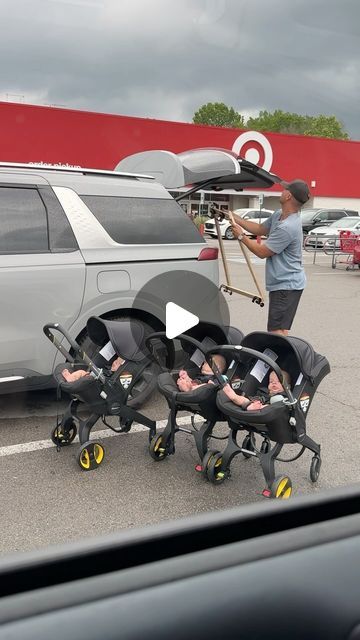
[37, 445]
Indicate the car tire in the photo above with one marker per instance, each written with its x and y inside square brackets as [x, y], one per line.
[229, 234]
[144, 388]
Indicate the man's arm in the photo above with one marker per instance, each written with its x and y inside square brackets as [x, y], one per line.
[254, 228]
[259, 250]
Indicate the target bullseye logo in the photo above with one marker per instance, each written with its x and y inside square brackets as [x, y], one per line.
[254, 147]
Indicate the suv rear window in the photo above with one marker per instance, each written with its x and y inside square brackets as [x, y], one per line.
[143, 220]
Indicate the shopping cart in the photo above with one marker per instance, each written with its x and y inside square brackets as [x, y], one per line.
[348, 245]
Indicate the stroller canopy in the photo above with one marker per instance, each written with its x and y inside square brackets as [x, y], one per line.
[217, 334]
[126, 336]
[294, 354]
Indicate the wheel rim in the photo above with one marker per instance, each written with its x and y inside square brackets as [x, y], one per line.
[84, 459]
[283, 489]
[98, 453]
[62, 436]
[157, 451]
[157, 444]
[217, 475]
[91, 456]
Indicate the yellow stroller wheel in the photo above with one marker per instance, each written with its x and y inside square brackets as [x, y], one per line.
[281, 488]
[215, 473]
[157, 448]
[91, 455]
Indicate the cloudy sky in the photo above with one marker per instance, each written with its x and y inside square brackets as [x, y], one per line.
[165, 58]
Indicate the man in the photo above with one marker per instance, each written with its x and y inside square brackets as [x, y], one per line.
[282, 249]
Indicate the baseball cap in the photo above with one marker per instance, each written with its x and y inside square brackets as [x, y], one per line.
[299, 189]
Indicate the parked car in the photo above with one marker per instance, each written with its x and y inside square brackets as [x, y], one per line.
[312, 218]
[328, 235]
[254, 215]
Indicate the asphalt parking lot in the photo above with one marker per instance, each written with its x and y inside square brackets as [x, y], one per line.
[47, 499]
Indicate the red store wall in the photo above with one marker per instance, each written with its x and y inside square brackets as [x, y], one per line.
[31, 133]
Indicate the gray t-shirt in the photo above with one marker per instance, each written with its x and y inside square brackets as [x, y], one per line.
[284, 270]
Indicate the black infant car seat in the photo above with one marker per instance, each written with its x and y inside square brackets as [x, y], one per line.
[284, 421]
[103, 392]
[201, 401]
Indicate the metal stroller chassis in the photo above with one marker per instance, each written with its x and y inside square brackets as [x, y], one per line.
[109, 403]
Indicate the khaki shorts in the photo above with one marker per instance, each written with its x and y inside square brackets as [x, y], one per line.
[282, 308]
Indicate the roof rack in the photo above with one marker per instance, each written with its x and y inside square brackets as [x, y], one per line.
[72, 169]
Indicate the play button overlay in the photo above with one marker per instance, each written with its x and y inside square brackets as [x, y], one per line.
[179, 300]
[178, 320]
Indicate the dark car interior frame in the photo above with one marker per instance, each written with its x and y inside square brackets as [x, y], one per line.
[287, 569]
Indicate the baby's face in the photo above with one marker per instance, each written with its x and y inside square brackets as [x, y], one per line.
[206, 369]
[275, 385]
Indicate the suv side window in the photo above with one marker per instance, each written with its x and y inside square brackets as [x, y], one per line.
[23, 221]
[142, 220]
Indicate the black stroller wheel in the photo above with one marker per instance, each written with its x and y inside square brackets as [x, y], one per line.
[157, 448]
[315, 468]
[265, 446]
[215, 473]
[247, 444]
[281, 488]
[205, 462]
[91, 455]
[64, 434]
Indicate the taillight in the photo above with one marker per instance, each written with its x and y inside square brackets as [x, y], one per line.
[209, 253]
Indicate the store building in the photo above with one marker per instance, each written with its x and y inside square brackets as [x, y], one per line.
[41, 134]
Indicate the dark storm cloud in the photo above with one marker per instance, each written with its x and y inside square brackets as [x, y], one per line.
[164, 59]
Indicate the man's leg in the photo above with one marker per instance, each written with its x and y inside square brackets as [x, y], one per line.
[282, 309]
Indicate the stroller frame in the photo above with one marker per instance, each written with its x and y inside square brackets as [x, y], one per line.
[163, 444]
[92, 452]
[216, 465]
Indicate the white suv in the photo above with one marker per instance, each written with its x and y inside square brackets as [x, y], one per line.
[254, 215]
[78, 242]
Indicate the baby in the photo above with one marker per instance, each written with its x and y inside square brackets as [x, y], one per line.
[185, 383]
[71, 376]
[275, 389]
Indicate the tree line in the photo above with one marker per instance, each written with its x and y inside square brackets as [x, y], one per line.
[219, 114]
